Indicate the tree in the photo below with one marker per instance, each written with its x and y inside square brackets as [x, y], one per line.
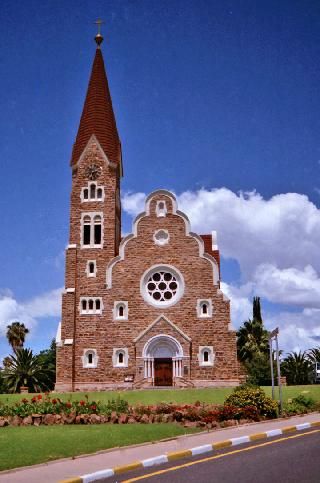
[297, 368]
[16, 334]
[253, 347]
[314, 354]
[27, 369]
[252, 337]
[48, 360]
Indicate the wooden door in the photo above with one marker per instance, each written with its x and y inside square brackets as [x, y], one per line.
[163, 372]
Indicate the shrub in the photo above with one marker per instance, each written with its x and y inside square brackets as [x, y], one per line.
[305, 401]
[254, 397]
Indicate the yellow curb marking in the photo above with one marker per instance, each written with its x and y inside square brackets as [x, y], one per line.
[257, 436]
[222, 444]
[132, 466]
[289, 429]
[76, 479]
[316, 423]
[179, 454]
[204, 460]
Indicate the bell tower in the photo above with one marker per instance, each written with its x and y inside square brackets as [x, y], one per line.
[95, 218]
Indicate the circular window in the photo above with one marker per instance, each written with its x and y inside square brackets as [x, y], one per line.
[162, 286]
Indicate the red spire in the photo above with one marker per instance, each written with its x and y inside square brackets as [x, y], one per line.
[97, 116]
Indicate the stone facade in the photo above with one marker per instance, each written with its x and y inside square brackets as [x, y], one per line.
[146, 310]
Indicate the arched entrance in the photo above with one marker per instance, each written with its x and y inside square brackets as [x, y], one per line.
[162, 356]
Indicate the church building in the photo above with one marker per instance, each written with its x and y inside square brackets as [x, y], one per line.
[144, 310]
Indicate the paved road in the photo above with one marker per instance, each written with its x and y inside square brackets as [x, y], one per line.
[292, 458]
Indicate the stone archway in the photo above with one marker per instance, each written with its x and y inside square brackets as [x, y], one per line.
[162, 356]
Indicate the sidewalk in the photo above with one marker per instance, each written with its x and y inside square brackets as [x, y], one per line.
[61, 469]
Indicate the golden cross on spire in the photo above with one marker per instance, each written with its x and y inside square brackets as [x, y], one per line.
[98, 38]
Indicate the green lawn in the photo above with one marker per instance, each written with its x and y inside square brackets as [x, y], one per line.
[23, 446]
[213, 395]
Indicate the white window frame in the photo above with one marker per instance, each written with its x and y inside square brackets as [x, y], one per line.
[89, 274]
[202, 350]
[95, 198]
[160, 212]
[84, 358]
[200, 303]
[117, 304]
[115, 357]
[161, 268]
[162, 241]
[91, 215]
[93, 311]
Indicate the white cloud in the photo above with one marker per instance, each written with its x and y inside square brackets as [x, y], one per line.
[290, 286]
[45, 305]
[133, 203]
[283, 230]
[276, 243]
[240, 305]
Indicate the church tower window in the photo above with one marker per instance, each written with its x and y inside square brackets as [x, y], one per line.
[91, 236]
[86, 230]
[92, 192]
[91, 268]
[97, 230]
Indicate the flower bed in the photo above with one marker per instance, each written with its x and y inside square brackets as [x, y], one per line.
[48, 410]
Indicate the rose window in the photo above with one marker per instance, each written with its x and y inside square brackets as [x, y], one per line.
[162, 286]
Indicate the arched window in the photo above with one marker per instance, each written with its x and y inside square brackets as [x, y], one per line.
[91, 306]
[91, 267]
[161, 209]
[99, 193]
[206, 356]
[86, 230]
[90, 358]
[92, 191]
[120, 357]
[120, 310]
[97, 230]
[91, 230]
[204, 308]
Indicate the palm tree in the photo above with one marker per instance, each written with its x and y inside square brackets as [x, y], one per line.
[252, 337]
[16, 334]
[297, 368]
[314, 354]
[26, 369]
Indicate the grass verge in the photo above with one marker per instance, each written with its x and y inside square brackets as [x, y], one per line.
[23, 446]
[182, 396]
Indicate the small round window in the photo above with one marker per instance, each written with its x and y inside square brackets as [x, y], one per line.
[162, 286]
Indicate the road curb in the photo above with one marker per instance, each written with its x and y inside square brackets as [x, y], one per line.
[175, 455]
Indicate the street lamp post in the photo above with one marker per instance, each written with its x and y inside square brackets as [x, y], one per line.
[273, 335]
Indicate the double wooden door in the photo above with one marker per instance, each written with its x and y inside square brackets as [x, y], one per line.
[163, 372]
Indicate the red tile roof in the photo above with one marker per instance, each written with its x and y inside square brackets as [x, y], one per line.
[98, 116]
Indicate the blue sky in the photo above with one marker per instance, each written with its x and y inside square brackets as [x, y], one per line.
[216, 100]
